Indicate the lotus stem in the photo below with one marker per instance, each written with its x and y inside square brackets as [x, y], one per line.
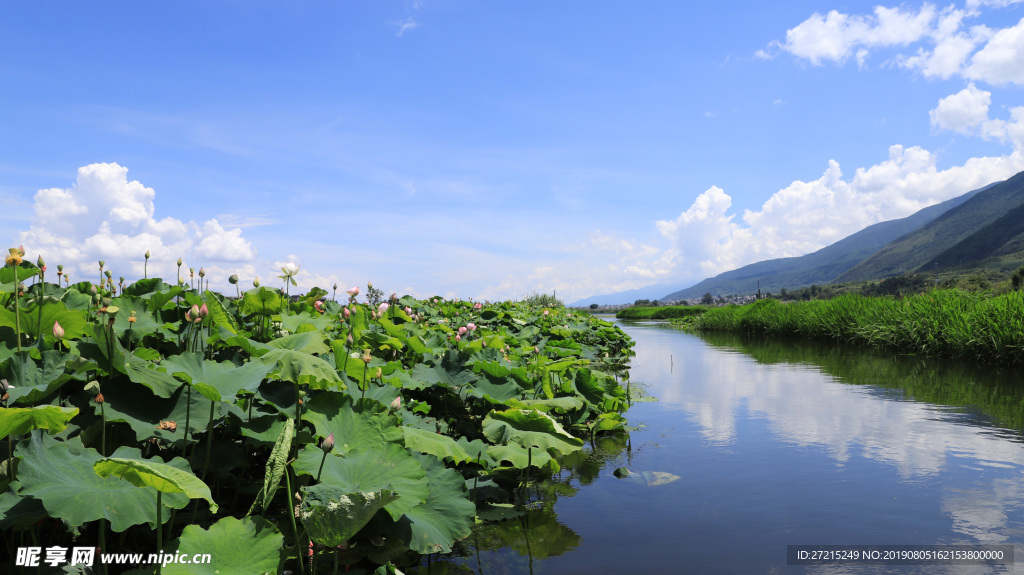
[291, 515]
[319, 471]
[188, 414]
[17, 308]
[209, 440]
[159, 527]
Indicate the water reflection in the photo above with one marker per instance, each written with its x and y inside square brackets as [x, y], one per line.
[774, 443]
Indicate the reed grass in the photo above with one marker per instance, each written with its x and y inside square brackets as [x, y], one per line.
[941, 323]
[660, 312]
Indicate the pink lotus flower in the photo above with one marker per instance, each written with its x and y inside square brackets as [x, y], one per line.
[408, 310]
[546, 312]
[382, 308]
[204, 311]
[353, 292]
[471, 326]
[58, 331]
[458, 338]
[478, 305]
[319, 305]
[188, 316]
[462, 330]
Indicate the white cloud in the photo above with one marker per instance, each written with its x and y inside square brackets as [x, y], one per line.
[967, 112]
[1001, 60]
[835, 36]
[103, 216]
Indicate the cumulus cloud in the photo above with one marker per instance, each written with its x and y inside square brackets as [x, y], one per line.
[967, 112]
[104, 216]
[836, 36]
[1001, 60]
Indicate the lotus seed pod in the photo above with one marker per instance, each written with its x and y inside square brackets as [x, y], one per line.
[98, 398]
[102, 263]
[233, 279]
[109, 274]
[60, 268]
[367, 358]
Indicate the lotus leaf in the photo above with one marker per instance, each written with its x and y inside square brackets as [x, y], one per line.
[444, 518]
[276, 467]
[235, 546]
[262, 301]
[331, 413]
[390, 467]
[33, 380]
[529, 427]
[440, 446]
[61, 475]
[218, 381]
[155, 474]
[73, 321]
[332, 515]
[298, 367]
[21, 420]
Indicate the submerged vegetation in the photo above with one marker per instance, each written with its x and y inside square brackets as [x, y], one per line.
[276, 433]
[942, 323]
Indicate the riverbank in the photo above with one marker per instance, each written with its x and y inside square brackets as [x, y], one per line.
[660, 312]
[940, 323]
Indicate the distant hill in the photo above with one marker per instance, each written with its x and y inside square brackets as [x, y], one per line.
[822, 266]
[961, 236]
[651, 292]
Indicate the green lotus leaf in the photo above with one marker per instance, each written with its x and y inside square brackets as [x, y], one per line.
[15, 274]
[298, 367]
[332, 515]
[219, 315]
[518, 456]
[492, 368]
[235, 546]
[440, 446]
[33, 380]
[159, 299]
[320, 322]
[390, 467]
[444, 518]
[558, 404]
[17, 510]
[439, 375]
[145, 322]
[332, 412]
[311, 342]
[218, 381]
[145, 286]
[21, 420]
[156, 474]
[529, 427]
[262, 301]
[61, 475]
[497, 390]
[73, 321]
[143, 411]
[147, 373]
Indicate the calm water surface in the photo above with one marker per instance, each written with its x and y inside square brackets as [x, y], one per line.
[756, 445]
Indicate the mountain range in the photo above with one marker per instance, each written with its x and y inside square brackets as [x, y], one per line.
[980, 228]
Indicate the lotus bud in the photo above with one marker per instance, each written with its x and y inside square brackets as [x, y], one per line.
[353, 292]
[92, 290]
[58, 331]
[179, 262]
[21, 249]
[40, 263]
[96, 298]
[202, 272]
[195, 310]
[328, 445]
[462, 330]
[471, 326]
[256, 282]
[483, 343]
[458, 338]
[204, 311]
[319, 305]
[233, 279]
[335, 286]
[394, 297]
[147, 254]
[408, 310]
[383, 307]
[348, 340]
[397, 403]
[191, 271]
[181, 282]
[188, 316]
[535, 350]
[345, 312]
[369, 285]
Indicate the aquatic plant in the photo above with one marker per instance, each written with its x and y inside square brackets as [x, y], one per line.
[102, 408]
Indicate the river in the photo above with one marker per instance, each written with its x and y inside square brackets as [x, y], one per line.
[754, 445]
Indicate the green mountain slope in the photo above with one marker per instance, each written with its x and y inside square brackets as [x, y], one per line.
[822, 266]
[1003, 237]
[925, 245]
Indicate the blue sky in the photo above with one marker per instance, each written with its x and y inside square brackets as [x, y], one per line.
[490, 150]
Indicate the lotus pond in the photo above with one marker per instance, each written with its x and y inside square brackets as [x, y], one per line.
[280, 433]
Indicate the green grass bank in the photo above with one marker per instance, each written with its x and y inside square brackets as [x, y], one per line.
[940, 323]
[662, 312]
